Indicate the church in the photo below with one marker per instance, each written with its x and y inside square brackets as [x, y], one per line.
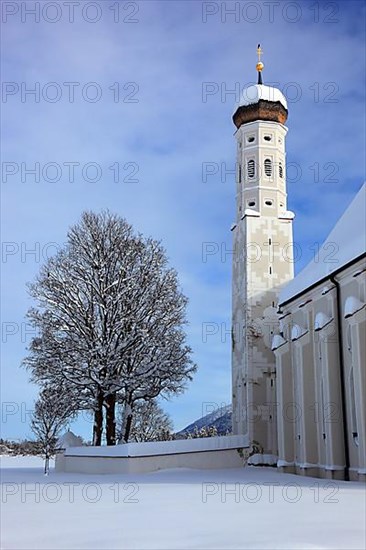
[298, 344]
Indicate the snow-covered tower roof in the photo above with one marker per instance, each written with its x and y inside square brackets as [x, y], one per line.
[260, 102]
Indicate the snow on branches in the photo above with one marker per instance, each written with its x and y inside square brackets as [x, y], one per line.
[52, 412]
[110, 316]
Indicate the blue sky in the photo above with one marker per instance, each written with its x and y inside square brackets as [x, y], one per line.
[164, 128]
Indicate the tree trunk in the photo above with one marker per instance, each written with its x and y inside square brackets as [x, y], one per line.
[110, 403]
[126, 436]
[46, 465]
[127, 422]
[98, 420]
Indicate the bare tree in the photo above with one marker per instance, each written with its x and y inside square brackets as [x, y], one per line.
[110, 315]
[150, 423]
[51, 414]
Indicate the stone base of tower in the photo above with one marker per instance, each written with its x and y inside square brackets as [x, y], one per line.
[258, 274]
[256, 417]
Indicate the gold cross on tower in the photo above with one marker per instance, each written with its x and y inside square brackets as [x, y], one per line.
[259, 52]
[259, 65]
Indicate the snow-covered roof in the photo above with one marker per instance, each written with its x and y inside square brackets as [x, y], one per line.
[69, 439]
[252, 94]
[348, 241]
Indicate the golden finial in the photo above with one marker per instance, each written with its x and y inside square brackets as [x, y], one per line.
[259, 65]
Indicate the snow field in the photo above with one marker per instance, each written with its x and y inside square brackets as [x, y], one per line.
[249, 508]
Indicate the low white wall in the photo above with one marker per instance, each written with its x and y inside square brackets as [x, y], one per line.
[140, 464]
[203, 453]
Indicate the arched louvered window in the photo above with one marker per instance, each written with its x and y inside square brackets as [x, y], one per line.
[268, 167]
[251, 168]
[280, 170]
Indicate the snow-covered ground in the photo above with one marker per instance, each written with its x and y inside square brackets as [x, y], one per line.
[245, 508]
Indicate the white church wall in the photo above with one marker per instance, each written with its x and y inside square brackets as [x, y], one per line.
[352, 284]
[358, 335]
[309, 374]
[328, 405]
[286, 411]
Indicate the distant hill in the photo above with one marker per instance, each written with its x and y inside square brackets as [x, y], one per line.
[220, 419]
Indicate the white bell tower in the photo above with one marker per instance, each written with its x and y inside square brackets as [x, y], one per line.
[263, 257]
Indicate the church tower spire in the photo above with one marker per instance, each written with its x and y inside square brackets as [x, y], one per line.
[262, 260]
